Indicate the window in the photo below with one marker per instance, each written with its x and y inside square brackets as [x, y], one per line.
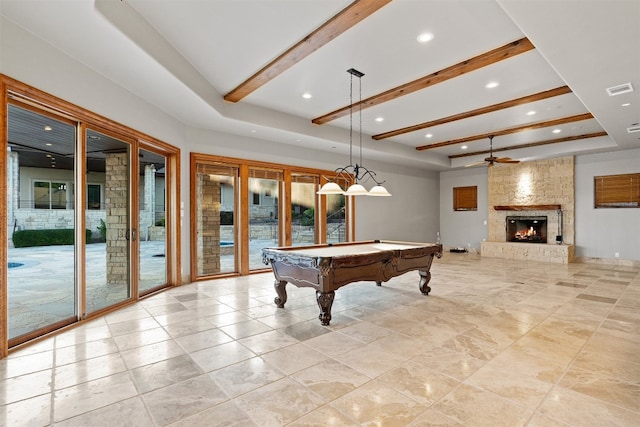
[93, 196]
[49, 195]
[465, 198]
[617, 191]
[256, 198]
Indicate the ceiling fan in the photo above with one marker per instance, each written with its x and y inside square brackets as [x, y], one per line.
[492, 159]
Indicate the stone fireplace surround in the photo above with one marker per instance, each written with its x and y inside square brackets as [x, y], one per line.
[536, 188]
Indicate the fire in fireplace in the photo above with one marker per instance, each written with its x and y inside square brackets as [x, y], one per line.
[527, 229]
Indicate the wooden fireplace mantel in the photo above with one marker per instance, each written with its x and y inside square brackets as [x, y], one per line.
[528, 208]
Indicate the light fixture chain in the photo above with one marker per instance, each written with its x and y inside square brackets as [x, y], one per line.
[351, 122]
[360, 118]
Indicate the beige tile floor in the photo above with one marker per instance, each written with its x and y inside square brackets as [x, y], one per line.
[497, 343]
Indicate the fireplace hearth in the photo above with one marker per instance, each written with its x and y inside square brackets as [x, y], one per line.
[526, 229]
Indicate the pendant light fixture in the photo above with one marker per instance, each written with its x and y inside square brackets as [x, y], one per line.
[358, 172]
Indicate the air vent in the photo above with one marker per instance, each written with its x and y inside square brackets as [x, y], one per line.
[634, 129]
[620, 89]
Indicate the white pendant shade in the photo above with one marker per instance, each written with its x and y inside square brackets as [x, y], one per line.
[356, 190]
[379, 191]
[330, 188]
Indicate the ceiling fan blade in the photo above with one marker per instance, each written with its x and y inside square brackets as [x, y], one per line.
[506, 160]
[481, 162]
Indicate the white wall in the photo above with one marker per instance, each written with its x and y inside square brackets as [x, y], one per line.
[468, 228]
[410, 214]
[600, 233]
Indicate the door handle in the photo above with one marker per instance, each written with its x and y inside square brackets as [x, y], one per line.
[131, 234]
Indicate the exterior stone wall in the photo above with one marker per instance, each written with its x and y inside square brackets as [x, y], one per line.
[157, 233]
[147, 217]
[117, 217]
[269, 232]
[543, 182]
[13, 184]
[208, 217]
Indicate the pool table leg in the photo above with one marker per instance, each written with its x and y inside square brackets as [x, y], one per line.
[280, 286]
[425, 277]
[325, 301]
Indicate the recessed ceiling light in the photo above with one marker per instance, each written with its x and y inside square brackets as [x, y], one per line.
[379, 119]
[425, 37]
[531, 113]
[48, 144]
[492, 85]
[556, 130]
[253, 131]
[626, 104]
[428, 135]
[307, 95]
[464, 147]
[47, 128]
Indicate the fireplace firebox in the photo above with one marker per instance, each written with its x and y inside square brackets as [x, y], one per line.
[527, 229]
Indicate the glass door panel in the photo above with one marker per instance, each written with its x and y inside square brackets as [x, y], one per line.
[264, 230]
[336, 216]
[152, 236]
[41, 286]
[303, 208]
[107, 216]
[215, 201]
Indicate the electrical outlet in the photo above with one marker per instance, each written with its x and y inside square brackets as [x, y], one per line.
[617, 255]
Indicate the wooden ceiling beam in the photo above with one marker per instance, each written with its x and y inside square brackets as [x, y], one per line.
[562, 90]
[338, 24]
[488, 58]
[556, 122]
[532, 144]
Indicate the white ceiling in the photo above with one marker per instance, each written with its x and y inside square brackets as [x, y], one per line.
[185, 55]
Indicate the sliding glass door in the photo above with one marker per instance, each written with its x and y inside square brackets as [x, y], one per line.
[215, 218]
[152, 221]
[303, 209]
[41, 286]
[239, 207]
[264, 213]
[87, 217]
[108, 218]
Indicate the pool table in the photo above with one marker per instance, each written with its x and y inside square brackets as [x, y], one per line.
[328, 267]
